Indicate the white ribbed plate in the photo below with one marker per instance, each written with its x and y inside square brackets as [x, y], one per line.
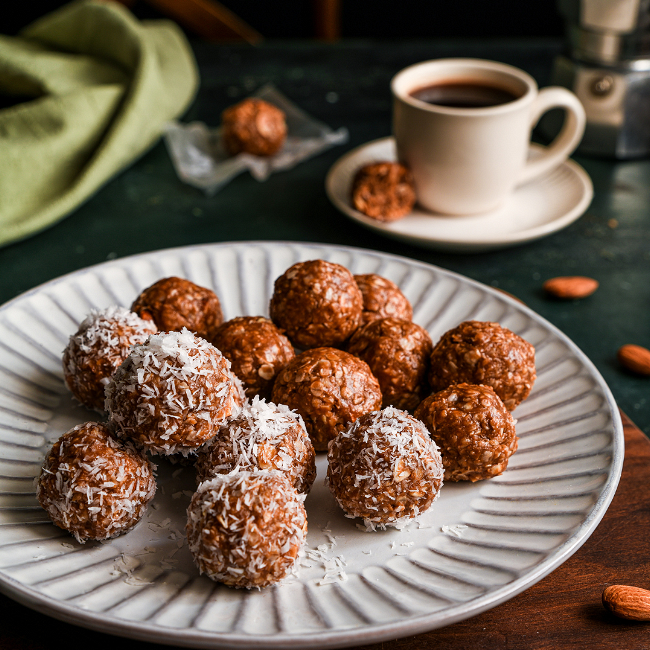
[537, 209]
[519, 526]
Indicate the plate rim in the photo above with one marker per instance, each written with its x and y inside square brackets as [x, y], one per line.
[457, 244]
[346, 637]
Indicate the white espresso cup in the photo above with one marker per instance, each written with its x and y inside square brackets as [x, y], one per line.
[468, 157]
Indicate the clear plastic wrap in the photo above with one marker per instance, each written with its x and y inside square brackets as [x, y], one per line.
[200, 159]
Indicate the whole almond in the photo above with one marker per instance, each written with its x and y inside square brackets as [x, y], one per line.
[632, 603]
[570, 286]
[635, 358]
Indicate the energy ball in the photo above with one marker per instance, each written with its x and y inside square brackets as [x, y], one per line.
[93, 486]
[173, 393]
[246, 529]
[384, 191]
[473, 428]
[174, 303]
[480, 352]
[316, 304]
[257, 350]
[97, 349]
[382, 298]
[330, 389]
[253, 126]
[263, 436]
[385, 468]
[397, 352]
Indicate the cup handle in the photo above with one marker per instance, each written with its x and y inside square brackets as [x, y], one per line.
[568, 138]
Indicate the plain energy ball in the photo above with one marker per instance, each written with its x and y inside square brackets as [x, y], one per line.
[246, 529]
[385, 468]
[97, 349]
[253, 126]
[173, 393]
[93, 486]
[257, 350]
[316, 304]
[473, 428]
[384, 191]
[330, 389]
[481, 352]
[382, 298]
[397, 352]
[174, 303]
[263, 436]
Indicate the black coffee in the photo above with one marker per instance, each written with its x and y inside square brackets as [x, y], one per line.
[464, 95]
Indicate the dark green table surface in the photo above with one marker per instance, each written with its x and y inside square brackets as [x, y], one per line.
[347, 84]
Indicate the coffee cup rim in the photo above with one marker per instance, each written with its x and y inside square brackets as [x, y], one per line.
[482, 65]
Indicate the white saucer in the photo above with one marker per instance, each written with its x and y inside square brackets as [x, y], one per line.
[536, 209]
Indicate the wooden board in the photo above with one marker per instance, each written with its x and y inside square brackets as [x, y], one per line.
[561, 611]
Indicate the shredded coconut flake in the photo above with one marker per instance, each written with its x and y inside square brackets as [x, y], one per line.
[456, 530]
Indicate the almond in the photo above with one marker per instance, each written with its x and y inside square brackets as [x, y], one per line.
[570, 286]
[635, 358]
[632, 603]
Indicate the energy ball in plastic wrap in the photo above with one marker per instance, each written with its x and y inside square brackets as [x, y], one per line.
[97, 349]
[93, 486]
[174, 303]
[385, 468]
[253, 126]
[384, 191]
[173, 393]
[257, 350]
[316, 304]
[246, 529]
[480, 352]
[330, 389]
[263, 436]
[397, 352]
[473, 428]
[382, 298]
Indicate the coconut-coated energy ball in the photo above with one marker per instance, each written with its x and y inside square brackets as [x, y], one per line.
[263, 436]
[330, 389]
[253, 126]
[246, 529]
[481, 352]
[174, 303]
[94, 486]
[173, 393]
[97, 349]
[384, 468]
[397, 352]
[257, 350]
[382, 298]
[316, 304]
[473, 428]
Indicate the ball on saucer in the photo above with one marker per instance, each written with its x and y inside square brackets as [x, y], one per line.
[384, 191]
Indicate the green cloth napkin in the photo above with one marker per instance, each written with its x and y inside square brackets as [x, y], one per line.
[103, 85]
